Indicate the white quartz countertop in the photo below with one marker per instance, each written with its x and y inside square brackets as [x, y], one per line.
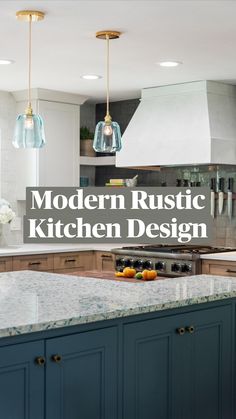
[227, 256]
[38, 301]
[30, 249]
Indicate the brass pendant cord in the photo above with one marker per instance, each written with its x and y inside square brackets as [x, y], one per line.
[108, 75]
[30, 55]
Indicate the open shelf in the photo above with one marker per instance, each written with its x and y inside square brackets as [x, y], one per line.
[98, 161]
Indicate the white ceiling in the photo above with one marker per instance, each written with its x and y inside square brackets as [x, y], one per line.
[201, 34]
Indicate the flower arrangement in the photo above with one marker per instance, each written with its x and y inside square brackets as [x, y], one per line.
[6, 213]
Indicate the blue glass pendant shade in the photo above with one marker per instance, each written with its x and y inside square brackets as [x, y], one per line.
[107, 138]
[29, 132]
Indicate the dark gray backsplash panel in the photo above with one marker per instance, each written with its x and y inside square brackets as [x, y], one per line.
[121, 112]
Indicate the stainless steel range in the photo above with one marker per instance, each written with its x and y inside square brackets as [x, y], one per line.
[171, 261]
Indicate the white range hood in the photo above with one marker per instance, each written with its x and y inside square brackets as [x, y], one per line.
[183, 124]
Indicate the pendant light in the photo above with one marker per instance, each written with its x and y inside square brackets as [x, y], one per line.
[107, 137]
[29, 128]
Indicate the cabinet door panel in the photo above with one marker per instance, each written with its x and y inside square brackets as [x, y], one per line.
[148, 351]
[219, 267]
[33, 262]
[21, 382]
[5, 264]
[84, 384]
[167, 375]
[105, 261]
[211, 364]
[73, 261]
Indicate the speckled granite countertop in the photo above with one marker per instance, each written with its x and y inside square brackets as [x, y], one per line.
[36, 301]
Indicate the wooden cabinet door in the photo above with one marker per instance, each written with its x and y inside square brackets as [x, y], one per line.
[173, 376]
[105, 261]
[39, 262]
[21, 381]
[5, 264]
[219, 267]
[84, 384]
[74, 261]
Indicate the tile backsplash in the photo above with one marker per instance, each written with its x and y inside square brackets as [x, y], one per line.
[224, 229]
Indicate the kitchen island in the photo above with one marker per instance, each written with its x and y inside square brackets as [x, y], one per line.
[74, 347]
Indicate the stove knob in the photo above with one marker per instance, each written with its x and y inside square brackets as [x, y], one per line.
[131, 263]
[147, 264]
[176, 267]
[120, 264]
[160, 266]
[128, 263]
[186, 268]
[138, 264]
[123, 263]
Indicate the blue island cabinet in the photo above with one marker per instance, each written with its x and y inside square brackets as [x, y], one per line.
[81, 376]
[179, 367]
[22, 381]
[173, 364]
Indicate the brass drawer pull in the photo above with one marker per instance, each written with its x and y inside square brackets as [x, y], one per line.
[70, 260]
[34, 263]
[107, 256]
[180, 331]
[40, 360]
[190, 329]
[231, 271]
[56, 358]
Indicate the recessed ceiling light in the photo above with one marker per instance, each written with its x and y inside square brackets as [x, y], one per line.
[91, 77]
[170, 63]
[4, 61]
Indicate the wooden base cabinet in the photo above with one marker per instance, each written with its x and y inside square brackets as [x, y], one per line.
[219, 267]
[59, 262]
[6, 264]
[42, 262]
[105, 261]
[168, 365]
[74, 261]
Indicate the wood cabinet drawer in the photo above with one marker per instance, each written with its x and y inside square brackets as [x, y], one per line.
[69, 261]
[222, 268]
[105, 261]
[33, 262]
[5, 264]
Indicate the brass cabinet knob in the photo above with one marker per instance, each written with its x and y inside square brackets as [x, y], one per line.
[40, 360]
[180, 331]
[190, 329]
[56, 358]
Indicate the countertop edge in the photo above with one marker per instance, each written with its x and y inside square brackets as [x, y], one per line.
[116, 314]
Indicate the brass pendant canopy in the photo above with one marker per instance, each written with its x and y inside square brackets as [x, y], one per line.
[25, 15]
[109, 34]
